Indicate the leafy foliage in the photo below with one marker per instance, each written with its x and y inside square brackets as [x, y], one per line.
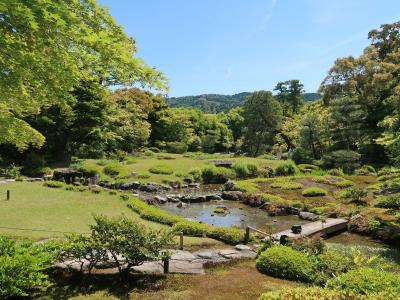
[313, 192]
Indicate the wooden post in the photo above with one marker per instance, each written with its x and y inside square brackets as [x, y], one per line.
[181, 240]
[166, 265]
[247, 235]
[8, 195]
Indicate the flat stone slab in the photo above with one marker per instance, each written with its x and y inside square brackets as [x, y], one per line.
[185, 267]
[151, 267]
[243, 247]
[182, 255]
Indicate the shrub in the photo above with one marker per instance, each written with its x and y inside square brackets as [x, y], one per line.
[343, 183]
[153, 213]
[176, 147]
[130, 160]
[336, 172]
[345, 159]
[365, 170]
[113, 193]
[286, 168]
[302, 156]
[313, 192]
[212, 174]
[161, 169]
[96, 190]
[303, 167]
[116, 170]
[12, 171]
[285, 262]
[22, 269]
[334, 263]
[54, 184]
[317, 293]
[143, 176]
[90, 168]
[69, 187]
[81, 188]
[33, 163]
[245, 170]
[355, 195]
[287, 185]
[390, 201]
[366, 280]
[196, 174]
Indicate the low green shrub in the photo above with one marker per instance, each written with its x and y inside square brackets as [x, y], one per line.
[314, 192]
[365, 170]
[388, 171]
[317, 293]
[112, 192]
[11, 171]
[390, 201]
[245, 170]
[212, 174]
[143, 176]
[116, 170]
[161, 169]
[69, 187]
[336, 172]
[285, 262]
[354, 194]
[196, 174]
[54, 184]
[96, 190]
[81, 188]
[286, 168]
[130, 160]
[387, 177]
[152, 213]
[343, 183]
[366, 280]
[287, 185]
[90, 168]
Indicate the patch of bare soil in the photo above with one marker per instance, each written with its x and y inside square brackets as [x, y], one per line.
[308, 182]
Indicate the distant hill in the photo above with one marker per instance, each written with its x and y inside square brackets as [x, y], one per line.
[215, 103]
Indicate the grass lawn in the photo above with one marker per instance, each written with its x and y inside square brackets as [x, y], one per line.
[50, 213]
[237, 281]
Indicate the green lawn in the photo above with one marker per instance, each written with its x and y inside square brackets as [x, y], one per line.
[36, 212]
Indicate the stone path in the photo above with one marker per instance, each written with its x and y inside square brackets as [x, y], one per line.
[185, 262]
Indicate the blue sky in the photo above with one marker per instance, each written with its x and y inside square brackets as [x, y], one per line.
[231, 46]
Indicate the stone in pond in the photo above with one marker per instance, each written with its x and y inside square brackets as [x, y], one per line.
[308, 216]
[232, 195]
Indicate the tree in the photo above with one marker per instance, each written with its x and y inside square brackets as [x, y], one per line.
[262, 120]
[48, 48]
[290, 95]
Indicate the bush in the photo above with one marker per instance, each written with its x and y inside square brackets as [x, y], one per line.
[336, 172]
[343, 183]
[317, 293]
[366, 280]
[345, 159]
[390, 201]
[287, 185]
[285, 262]
[212, 174]
[302, 156]
[96, 190]
[176, 147]
[130, 160]
[285, 168]
[54, 184]
[81, 188]
[90, 168]
[143, 176]
[22, 268]
[33, 163]
[245, 170]
[153, 213]
[314, 192]
[116, 170]
[365, 170]
[161, 169]
[196, 174]
[355, 195]
[12, 171]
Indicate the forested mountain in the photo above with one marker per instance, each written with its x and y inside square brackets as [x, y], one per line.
[215, 103]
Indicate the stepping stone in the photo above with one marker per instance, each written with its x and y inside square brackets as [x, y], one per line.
[185, 267]
[243, 247]
[182, 255]
[151, 267]
[230, 253]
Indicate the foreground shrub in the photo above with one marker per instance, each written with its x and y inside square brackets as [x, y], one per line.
[161, 169]
[390, 201]
[314, 192]
[212, 174]
[245, 170]
[54, 184]
[286, 168]
[317, 293]
[22, 268]
[366, 280]
[285, 262]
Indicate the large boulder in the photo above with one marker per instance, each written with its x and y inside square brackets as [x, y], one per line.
[308, 216]
[230, 186]
[130, 185]
[67, 175]
[232, 195]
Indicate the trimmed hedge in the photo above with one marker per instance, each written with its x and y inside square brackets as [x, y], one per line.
[314, 192]
[366, 280]
[161, 169]
[285, 262]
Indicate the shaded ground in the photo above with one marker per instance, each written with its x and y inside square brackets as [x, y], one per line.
[234, 282]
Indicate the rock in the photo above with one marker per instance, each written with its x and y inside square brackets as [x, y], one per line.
[160, 199]
[47, 177]
[212, 197]
[308, 216]
[173, 198]
[223, 163]
[130, 185]
[150, 188]
[230, 253]
[232, 195]
[194, 198]
[133, 174]
[230, 186]
[242, 247]
[181, 205]
[150, 267]
[182, 255]
[67, 175]
[307, 171]
[35, 179]
[194, 185]
[185, 267]
[293, 210]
